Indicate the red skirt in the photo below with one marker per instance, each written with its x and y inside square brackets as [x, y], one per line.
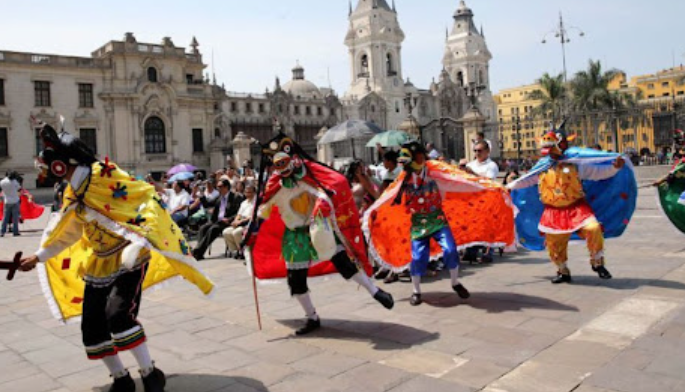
[561, 220]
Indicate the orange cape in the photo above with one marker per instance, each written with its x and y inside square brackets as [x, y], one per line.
[479, 212]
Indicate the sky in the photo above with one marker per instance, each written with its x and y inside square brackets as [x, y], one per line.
[246, 44]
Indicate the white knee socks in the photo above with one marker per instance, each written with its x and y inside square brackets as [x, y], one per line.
[115, 366]
[306, 302]
[363, 280]
[142, 355]
[454, 276]
[416, 283]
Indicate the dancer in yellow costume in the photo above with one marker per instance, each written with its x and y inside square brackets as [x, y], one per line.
[112, 239]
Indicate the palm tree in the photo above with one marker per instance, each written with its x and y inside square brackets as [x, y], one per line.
[591, 94]
[552, 94]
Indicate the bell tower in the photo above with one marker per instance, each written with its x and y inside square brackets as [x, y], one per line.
[467, 59]
[374, 40]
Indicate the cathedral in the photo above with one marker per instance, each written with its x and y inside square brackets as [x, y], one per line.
[378, 91]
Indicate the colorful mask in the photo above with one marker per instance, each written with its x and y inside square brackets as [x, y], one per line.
[412, 156]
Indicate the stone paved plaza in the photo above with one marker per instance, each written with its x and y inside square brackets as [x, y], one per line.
[517, 333]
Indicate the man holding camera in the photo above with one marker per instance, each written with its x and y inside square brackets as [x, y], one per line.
[10, 191]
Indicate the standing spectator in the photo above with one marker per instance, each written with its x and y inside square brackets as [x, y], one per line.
[233, 177]
[483, 166]
[233, 235]
[392, 169]
[480, 137]
[432, 152]
[361, 183]
[225, 210]
[10, 191]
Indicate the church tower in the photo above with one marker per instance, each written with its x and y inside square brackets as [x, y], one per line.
[467, 59]
[374, 40]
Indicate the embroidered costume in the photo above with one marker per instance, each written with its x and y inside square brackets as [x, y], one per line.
[311, 228]
[671, 188]
[573, 193]
[435, 200]
[112, 239]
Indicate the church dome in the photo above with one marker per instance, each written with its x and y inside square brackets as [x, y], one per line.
[301, 87]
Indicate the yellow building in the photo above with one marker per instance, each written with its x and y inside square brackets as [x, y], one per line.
[515, 120]
[661, 108]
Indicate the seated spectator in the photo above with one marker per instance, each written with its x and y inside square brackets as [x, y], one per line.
[178, 200]
[225, 210]
[233, 235]
[239, 188]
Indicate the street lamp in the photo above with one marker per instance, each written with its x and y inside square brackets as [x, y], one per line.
[562, 33]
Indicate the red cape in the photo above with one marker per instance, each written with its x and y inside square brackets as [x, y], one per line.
[27, 208]
[267, 251]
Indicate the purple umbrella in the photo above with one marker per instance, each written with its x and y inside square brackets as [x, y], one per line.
[181, 168]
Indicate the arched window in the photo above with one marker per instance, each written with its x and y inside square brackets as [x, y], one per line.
[155, 136]
[389, 65]
[152, 74]
[460, 78]
[364, 66]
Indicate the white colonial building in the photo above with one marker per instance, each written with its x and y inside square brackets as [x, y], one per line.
[145, 106]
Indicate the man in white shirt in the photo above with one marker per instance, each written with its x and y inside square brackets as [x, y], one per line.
[233, 234]
[179, 199]
[483, 166]
[10, 191]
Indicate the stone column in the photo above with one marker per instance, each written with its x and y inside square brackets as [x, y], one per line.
[473, 123]
[241, 149]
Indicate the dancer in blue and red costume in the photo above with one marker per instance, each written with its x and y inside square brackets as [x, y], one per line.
[574, 193]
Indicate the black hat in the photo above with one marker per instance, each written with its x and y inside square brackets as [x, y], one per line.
[61, 151]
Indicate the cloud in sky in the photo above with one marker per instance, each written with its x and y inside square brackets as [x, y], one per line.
[253, 42]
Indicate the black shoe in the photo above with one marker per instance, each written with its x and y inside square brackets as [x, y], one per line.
[155, 381]
[384, 298]
[602, 272]
[17, 235]
[311, 326]
[562, 278]
[415, 300]
[391, 278]
[382, 274]
[461, 291]
[197, 255]
[123, 384]
[486, 259]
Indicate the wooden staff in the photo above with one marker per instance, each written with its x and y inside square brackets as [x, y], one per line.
[11, 266]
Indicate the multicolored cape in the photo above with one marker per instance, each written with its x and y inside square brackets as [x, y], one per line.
[267, 250]
[479, 212]
[127, 208]
[27, 208]
[671, 196]
[613, 199]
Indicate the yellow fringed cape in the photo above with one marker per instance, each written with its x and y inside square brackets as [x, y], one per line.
[112, 204]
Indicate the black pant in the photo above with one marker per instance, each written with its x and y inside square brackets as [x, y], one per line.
[208, 233]
[109, 323]
[297, 278]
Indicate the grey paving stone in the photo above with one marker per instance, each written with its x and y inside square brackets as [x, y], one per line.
[476, 373]
[262, 374]
[423, 383]
[630, 380]
[327, 364]
[372, 377]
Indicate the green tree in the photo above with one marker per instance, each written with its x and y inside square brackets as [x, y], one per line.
[591, 96]
[552, 97]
